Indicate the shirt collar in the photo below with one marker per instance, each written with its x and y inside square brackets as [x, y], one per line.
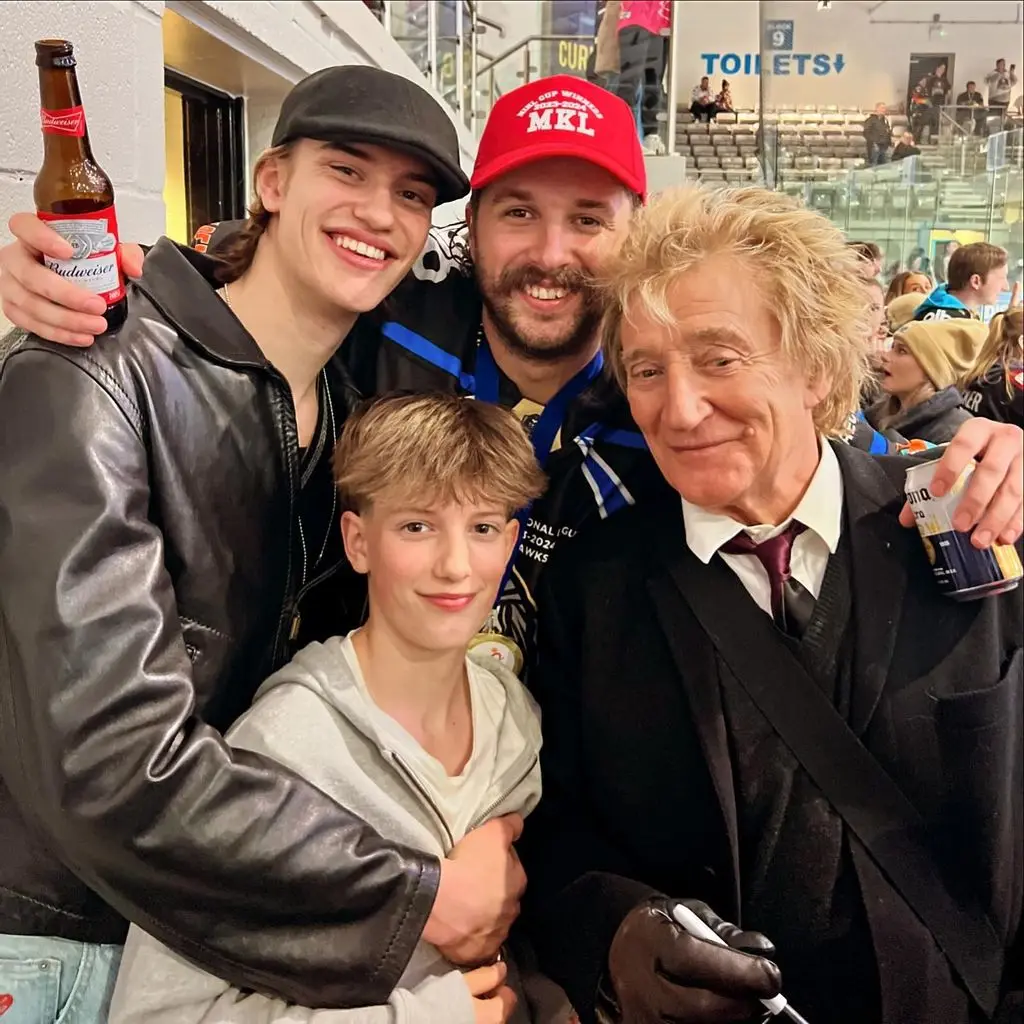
[820, 510]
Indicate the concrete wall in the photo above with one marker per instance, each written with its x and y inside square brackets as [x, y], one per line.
[120, 49]
[875, 46]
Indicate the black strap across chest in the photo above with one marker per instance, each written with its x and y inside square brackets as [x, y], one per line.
[869, 801]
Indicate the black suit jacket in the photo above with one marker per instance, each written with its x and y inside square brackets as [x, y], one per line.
[640, 795]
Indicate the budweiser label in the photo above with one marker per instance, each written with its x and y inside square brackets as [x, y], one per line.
[96, 262]
[70, 121]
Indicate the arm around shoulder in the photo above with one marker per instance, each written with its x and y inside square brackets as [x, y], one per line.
[100, 743]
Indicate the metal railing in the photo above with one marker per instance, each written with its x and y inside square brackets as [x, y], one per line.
[442, 39]
[521, 52]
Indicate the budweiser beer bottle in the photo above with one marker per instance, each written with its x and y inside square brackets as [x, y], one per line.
[72, 192]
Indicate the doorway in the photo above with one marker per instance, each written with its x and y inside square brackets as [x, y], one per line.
[205, 145]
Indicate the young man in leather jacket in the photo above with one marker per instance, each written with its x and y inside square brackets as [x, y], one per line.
[167, 538]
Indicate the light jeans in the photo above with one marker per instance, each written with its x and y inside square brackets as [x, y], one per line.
[55, 981]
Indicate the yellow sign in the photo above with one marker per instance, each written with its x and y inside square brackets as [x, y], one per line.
[573, 56]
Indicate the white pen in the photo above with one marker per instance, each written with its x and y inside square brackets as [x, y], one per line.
[691, 923]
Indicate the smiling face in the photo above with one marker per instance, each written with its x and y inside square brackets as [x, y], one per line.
[537, 235]
[902, 375]
[727, 418]
[433, 571]
[350, 220]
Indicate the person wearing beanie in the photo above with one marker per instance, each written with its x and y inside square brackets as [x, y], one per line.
[900, 311]
[919, 376]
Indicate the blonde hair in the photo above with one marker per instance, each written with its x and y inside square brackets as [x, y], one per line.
[807, 274]
[237, 253]
[435, 448]
[1001, 348]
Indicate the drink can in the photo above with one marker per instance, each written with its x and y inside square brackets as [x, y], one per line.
[962, 571]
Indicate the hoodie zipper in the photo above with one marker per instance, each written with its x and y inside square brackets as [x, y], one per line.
[427, 798]
[486, 813]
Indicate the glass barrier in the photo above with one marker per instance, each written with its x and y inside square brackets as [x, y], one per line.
[440, 36]
[799, 128]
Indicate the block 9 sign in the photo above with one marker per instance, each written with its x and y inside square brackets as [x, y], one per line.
[778, 35]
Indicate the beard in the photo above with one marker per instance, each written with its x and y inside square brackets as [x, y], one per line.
[563, 336]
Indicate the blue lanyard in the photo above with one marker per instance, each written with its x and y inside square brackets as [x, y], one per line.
[551, 419]
[547, 426]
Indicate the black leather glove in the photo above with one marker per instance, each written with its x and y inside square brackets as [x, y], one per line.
[657, 972]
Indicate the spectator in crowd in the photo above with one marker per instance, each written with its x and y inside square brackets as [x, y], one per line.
[606, 57]
[994, 386]
[970, 110]
[919, 108]
[947, 254]
[905, 147]
[908, 282]
[878, 328]
[702, 101]
[644, 27]
[698, 704]
[1017, 115]
[877, 136]
[377, 6]
[871, 257]
[976, 276]
[918, 260]
[1000, 82]
[723, 101]
[430, 486]
[900, 311]
[920, 373]
[877, 338]
[939, 88]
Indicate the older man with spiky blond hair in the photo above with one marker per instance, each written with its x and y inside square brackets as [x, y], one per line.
[754, 693]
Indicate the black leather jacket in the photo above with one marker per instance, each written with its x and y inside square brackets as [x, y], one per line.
[147, 587]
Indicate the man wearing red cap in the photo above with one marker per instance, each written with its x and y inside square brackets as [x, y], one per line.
[502, 311]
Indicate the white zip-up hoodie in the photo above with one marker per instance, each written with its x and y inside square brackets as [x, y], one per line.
[315, 717]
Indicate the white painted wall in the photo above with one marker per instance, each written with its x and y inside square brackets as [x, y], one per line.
[875, 46]
[119, 46]
[120, 71]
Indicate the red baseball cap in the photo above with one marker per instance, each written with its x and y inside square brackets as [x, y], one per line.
[561, 116]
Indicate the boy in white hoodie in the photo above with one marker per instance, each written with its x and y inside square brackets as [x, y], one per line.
[395, 721]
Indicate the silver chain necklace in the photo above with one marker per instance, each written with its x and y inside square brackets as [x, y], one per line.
[315, 457]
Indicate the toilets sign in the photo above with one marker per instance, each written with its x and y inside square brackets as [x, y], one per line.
[561, 110]
[778, 58]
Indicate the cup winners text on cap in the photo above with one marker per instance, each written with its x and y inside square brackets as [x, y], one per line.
[561, 116]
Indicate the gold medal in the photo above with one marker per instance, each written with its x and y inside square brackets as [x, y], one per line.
[500, 648]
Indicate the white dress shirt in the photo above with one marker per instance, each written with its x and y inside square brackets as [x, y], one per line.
[820, 510]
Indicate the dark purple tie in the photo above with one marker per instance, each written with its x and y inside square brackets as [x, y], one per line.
[787, 594]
